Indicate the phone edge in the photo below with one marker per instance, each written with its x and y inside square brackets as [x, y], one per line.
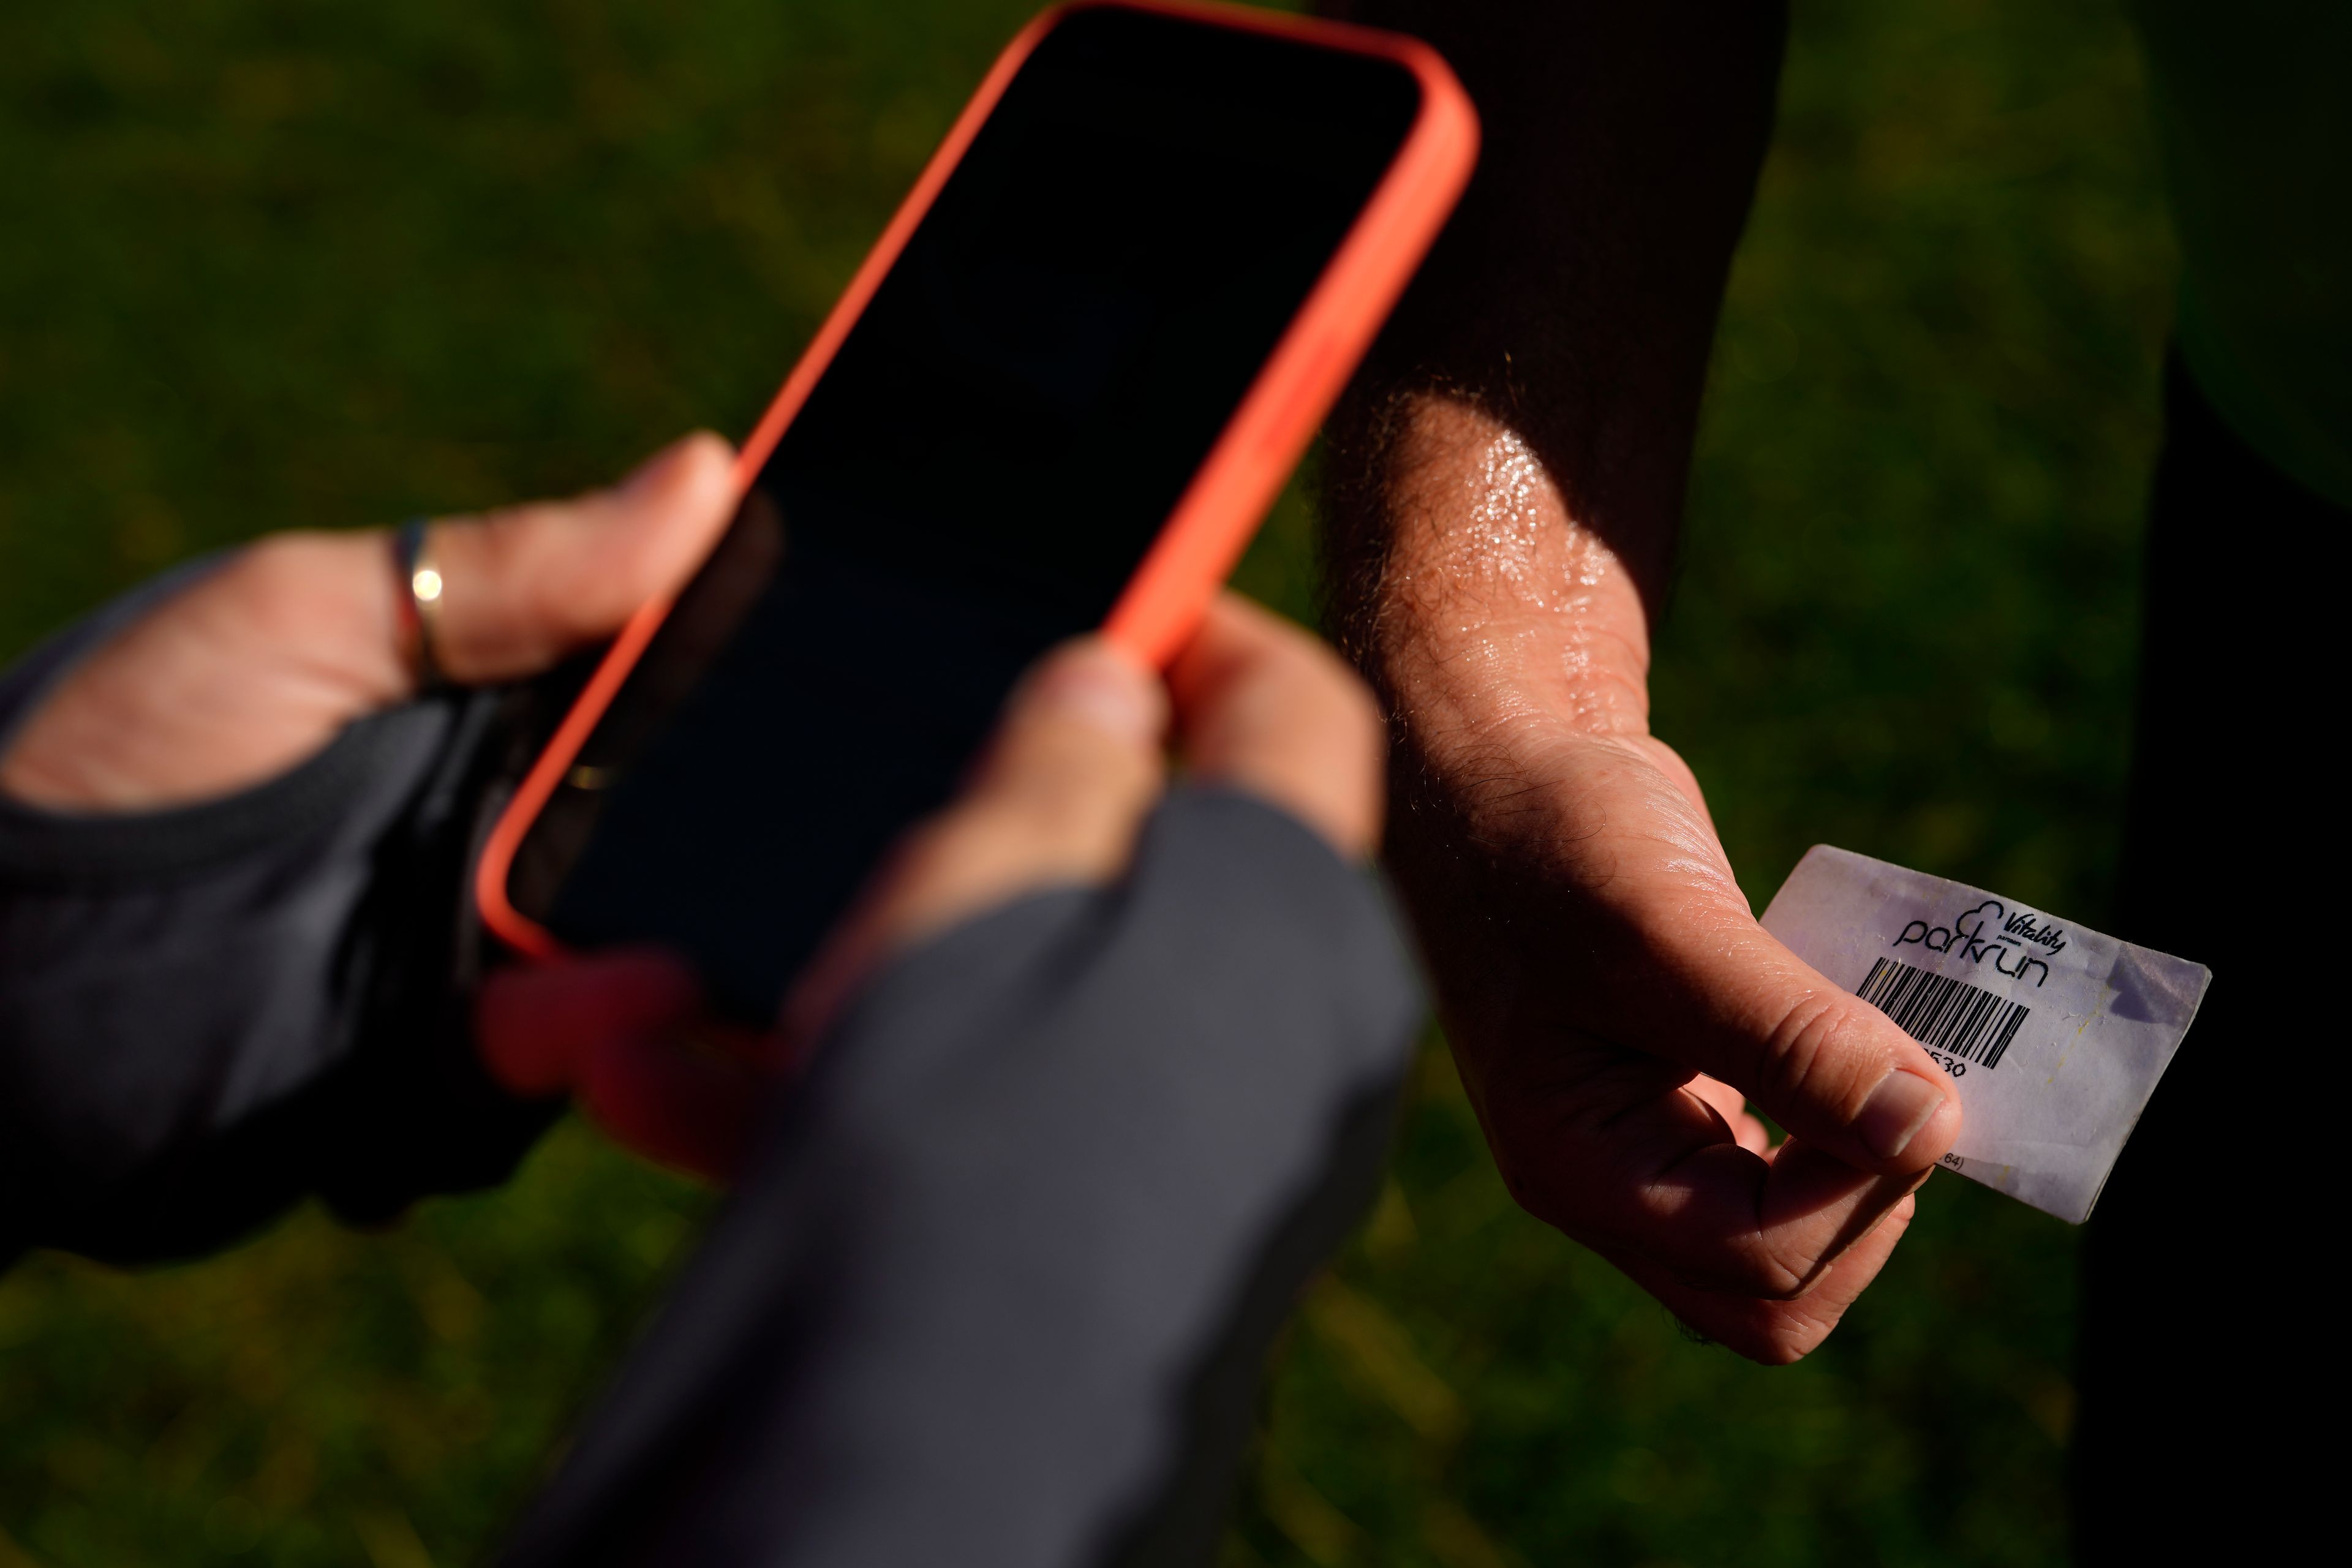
[1219, 512]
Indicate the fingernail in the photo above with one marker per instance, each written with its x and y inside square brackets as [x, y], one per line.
[1092, 685]
[1896, 1111]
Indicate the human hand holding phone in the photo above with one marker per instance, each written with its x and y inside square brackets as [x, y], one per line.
[1054, 400]
[1077, 761]
[257, 664]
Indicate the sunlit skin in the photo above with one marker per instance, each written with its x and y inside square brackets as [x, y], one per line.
[1504, 485]
[1613, 1000]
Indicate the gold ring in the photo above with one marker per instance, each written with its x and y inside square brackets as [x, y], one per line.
[420, 602]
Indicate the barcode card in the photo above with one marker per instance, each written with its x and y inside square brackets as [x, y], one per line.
[2054, 1036]
[1944, 1014]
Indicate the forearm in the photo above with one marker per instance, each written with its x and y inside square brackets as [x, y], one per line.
[1504, 481]
[1503, 486]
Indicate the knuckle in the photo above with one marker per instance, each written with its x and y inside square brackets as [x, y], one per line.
[1717, 1253]
[1532, 1158]
[1771, 1333]
[1055, 766]
[1791, 1053]
[523, 565]
[1814, 1055]
[1752, 1266]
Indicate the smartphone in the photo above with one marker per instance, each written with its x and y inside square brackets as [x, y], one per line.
[1058, 396]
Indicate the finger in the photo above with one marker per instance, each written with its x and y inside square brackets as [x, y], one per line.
[538, 1027]
[1693, 979]
[525, 587]
[1076, 761]
[626, 1032]
[1627, 1160]
[1826, 1064]
[1056, 797]
[1731, 1105]
[256, 664]
[1263, 706]
[1778, 1332]
[1672, 964]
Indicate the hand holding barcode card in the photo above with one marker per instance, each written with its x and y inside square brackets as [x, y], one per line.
[2054, 1036]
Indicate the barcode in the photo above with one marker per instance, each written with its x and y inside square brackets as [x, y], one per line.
[1944, 1014]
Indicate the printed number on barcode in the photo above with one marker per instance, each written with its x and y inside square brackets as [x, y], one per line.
[1948, 1016]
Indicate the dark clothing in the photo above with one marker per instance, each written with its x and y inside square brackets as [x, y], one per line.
[999, 1285]
[208, 1014]
[998, 1290]
[2188, 1428]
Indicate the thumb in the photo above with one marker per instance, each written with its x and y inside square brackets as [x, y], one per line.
[252, 666]
[1828, 1067]
[1264, 706]
[524, 587]
[1056, 799]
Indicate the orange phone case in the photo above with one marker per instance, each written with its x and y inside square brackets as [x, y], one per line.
[1244, 470]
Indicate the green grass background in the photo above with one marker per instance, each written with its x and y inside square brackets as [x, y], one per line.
[276, 262]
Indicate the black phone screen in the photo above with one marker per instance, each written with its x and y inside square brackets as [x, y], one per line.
[975, 476]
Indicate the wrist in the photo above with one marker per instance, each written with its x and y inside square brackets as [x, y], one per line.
[1486, 613]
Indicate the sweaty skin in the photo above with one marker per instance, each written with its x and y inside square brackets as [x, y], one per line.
[1503, 486]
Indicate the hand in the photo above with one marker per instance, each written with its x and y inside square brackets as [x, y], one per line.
[1077, 761]
[1613, 1002]
[257, 664]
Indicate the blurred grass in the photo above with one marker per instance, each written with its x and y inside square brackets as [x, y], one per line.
[267, 263]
